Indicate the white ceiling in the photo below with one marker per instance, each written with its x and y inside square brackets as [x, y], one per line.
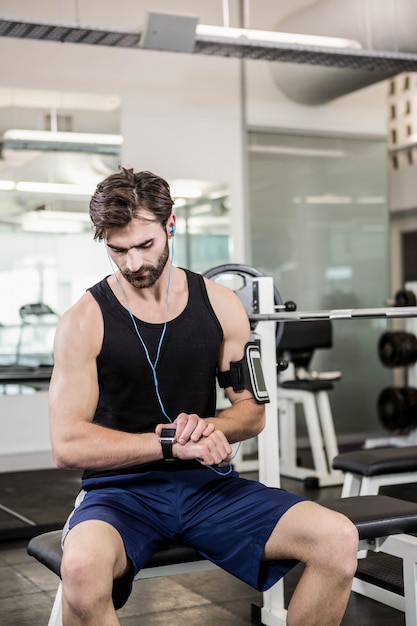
[19, 107]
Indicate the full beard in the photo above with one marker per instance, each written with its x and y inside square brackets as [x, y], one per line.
[152, 272]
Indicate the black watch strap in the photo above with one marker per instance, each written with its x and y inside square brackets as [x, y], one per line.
[167, 450]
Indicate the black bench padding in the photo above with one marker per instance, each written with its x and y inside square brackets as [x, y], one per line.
[47, 550]
[306, 384]
[374, 516]
[377, 516]
[376, 461]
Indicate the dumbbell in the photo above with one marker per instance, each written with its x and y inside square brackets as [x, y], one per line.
[397, 349]
[405, 297]
[397, 408]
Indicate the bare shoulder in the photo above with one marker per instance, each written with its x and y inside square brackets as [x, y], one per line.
[227, 306]
[81, 326]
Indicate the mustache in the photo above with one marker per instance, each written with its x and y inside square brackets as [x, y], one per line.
[144, 268]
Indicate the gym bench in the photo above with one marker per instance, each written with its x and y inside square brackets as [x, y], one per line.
[172, 558]
[367, 470]
[383, 524]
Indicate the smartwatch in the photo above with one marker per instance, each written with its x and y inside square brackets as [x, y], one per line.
[167, 440]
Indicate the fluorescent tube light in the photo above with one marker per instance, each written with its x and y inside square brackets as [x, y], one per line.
[46, 214]
[240, 35]
[55, 221]
[100, 143]
[47, 188]
[328, 199]
[55, 188]
[295, 151]
[7, 185]
[16, 134]
[178, 191]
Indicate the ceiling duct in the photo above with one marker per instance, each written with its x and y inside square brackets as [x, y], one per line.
[378, 25]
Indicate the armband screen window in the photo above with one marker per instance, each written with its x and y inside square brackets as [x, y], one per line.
[256, 374]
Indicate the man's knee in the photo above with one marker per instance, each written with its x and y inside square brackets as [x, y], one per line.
[87, 581]
[339, 546]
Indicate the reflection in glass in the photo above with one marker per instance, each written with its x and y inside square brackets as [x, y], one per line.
[51, 259]
[320, 228]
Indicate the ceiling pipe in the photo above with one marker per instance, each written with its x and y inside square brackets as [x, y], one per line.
[377, 25]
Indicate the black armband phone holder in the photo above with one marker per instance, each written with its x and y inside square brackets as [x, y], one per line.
[246, 374]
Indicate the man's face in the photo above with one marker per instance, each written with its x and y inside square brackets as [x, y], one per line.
[140, 251]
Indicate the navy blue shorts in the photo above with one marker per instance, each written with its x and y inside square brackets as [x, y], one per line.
[228, 519]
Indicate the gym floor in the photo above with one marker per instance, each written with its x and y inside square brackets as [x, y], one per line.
[213, 598]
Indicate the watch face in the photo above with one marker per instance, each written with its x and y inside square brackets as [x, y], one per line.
[168, 432]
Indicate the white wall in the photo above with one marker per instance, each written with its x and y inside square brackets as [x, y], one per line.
[24, 432]
[362, 112]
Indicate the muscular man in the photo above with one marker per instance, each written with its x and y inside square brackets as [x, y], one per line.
[137, 353]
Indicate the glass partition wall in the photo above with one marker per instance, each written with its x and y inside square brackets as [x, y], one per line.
[46, 267]
[50, 164]
[319, 224]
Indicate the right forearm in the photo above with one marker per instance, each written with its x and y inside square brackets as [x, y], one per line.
[91, 446]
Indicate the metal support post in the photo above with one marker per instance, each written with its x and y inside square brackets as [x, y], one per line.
[273, 612]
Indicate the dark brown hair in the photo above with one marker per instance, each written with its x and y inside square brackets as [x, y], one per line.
[120, 197]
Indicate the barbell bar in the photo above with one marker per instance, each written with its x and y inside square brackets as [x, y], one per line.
[335, 314]
[286, 311]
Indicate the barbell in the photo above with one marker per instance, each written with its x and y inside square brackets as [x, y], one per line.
[335, 314]
[286, 311]
[396, 406]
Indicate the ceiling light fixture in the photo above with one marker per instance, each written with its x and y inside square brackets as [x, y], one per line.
[47, 188]
[54, 222]
[246, 35]
[295, 151]
[50, 221]
[24, 139]
[7, 185]
[55, 188]
[179, 188]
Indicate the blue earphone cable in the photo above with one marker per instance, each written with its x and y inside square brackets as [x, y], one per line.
[158, 352]
[154, 363]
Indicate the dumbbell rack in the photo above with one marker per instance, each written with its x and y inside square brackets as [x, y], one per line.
[410, 439]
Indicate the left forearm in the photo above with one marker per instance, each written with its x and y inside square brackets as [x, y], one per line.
[242, 420]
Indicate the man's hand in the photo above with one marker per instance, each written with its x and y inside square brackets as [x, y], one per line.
[198, 439]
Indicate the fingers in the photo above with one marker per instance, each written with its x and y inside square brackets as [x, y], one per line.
[198, 439]
[214, 449]
[192, 427]
[211, 450]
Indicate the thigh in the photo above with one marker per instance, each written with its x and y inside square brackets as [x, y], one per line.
[137, 513]
[301, 530]
[231, 519]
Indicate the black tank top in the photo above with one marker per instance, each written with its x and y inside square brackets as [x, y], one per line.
[185, 372]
